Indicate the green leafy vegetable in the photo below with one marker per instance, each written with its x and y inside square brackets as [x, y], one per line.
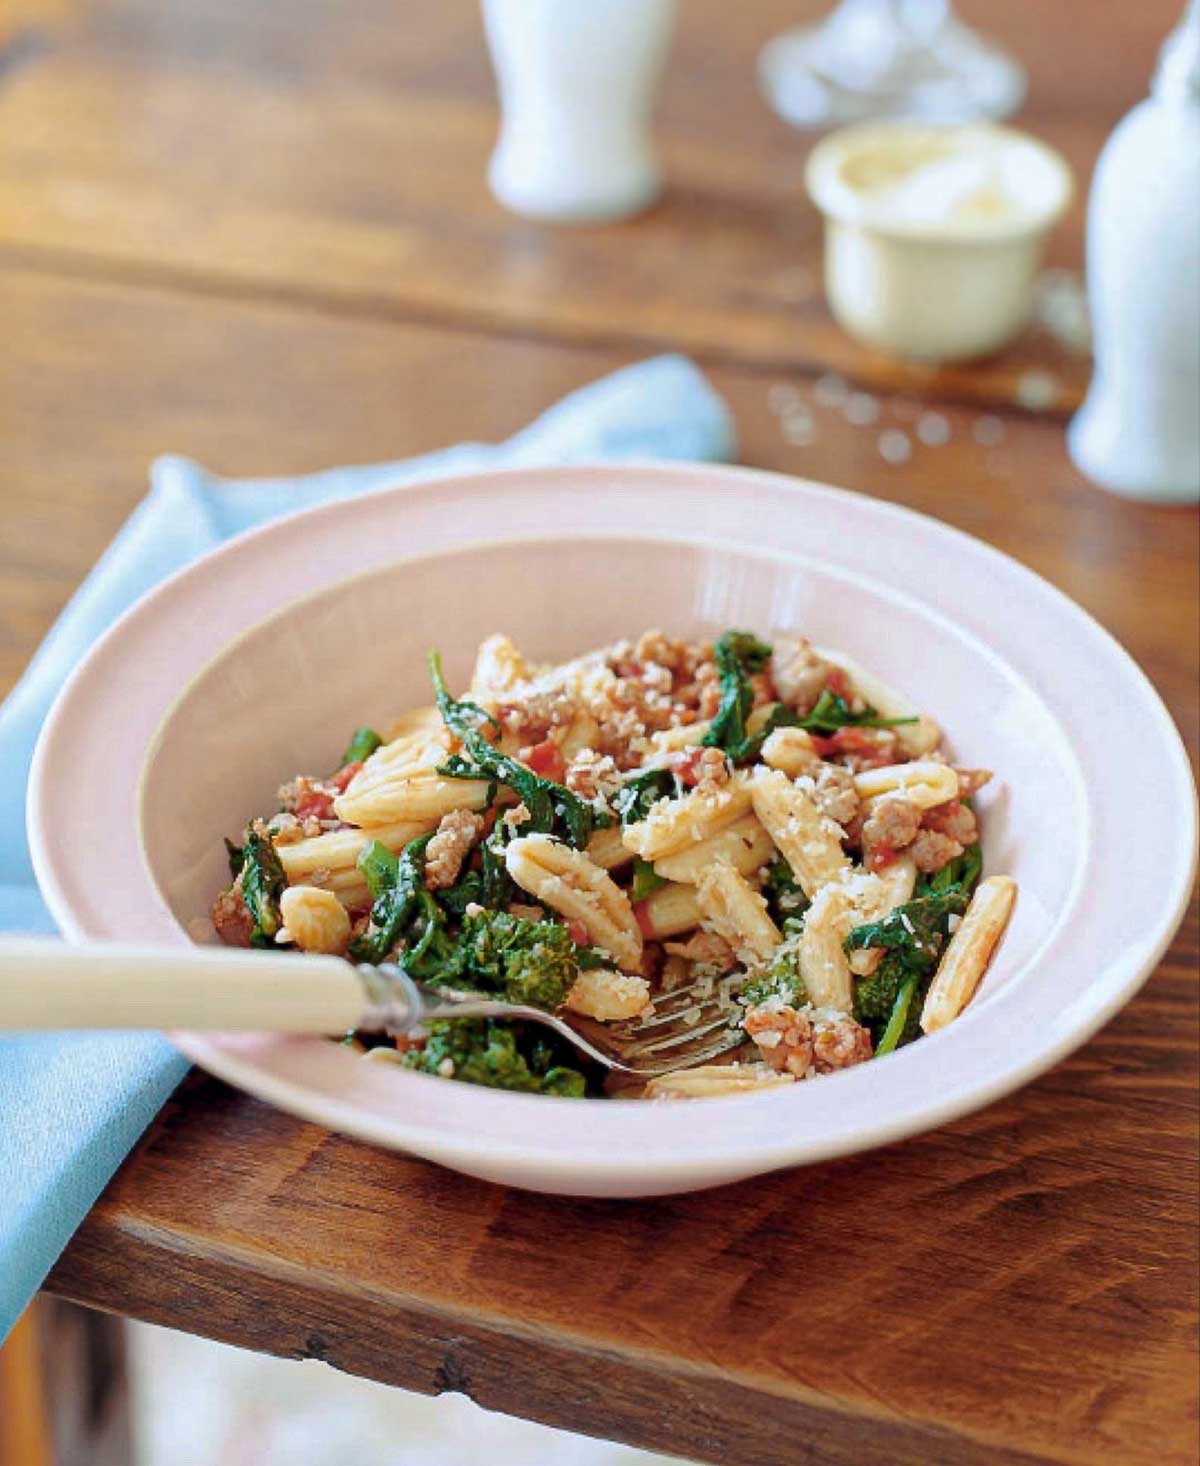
[398, 893]
[362, 745]
[832, 712]
[915, 932]
[897, 1030]
[531, 962]
[786, 902]
[739, 656]
[646, 879]
[637, 796]
[487, 1052]
[913, 937]
[962, 872]
[263, 883]
[780, 979]
[553, 808]
[236, 855]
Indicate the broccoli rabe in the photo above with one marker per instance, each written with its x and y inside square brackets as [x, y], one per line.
[779, 979]
[532, 962]
[739, 656]
[913, 935]
[263, 883]
[876, 997]
[786, 902]
[483, 1051]
[529, 962]
[361, 746]
[963, 873]
[553, 808]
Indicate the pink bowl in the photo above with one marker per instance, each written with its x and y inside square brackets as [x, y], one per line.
[257, 660]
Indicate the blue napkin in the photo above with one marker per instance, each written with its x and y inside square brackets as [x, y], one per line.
[72, 1106]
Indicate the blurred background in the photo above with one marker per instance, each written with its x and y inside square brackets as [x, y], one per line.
[278, 236]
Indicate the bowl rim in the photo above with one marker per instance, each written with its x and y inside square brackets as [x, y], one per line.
[235, 1060]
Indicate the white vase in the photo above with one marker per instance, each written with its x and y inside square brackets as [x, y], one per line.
[577, 82]
[1138, 431]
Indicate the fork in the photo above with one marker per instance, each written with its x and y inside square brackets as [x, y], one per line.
[55, 985]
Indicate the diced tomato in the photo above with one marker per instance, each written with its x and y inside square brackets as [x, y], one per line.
[314, 803]
[881, 857]
[577, 932]
[838, 683]
[686, 766]
[642, 916]
[489, 820]
[864, 743]
[546, 759]
[344, 775]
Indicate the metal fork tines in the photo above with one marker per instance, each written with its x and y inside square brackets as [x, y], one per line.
[688, 1026]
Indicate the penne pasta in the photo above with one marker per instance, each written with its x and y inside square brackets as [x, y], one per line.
[314, 919]
[675, 824]
[890, 887]
[710, 1080]
[744, 845]
[792, 751]
[420, 798]
[607, 850]
[924, 783]
[731, 907]
[339, 849]
[810, 842]
[568, 882]
[669, 911]
[823, 964]
[969, 950]
[499, 667]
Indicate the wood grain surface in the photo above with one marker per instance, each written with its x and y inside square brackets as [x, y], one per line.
[258, 235]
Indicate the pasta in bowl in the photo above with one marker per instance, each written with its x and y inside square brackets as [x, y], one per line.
[753, 820]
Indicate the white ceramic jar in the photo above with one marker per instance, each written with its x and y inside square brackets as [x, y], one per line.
[577, 82]
[1138, 432]
[933, 234]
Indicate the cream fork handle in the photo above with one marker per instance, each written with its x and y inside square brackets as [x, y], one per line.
[49, 984]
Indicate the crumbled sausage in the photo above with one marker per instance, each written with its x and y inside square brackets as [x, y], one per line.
[231, 917]
[953, 819]
[835, 795]
[892, 825]
[590, 774]
[783, 1036]
[946, 831]
[931, 850]
[702, 769]
[799, 674]
[530, 718]
[970, 781]
[446, 852]
[839, 1042]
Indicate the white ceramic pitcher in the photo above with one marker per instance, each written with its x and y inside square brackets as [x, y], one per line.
[577, 82]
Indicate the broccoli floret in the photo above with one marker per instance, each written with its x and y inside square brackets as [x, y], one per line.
[780, 979]
[483, 1051]
[528, 961]
[875, 999]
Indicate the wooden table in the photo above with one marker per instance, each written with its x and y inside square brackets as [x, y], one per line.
[259, 234]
